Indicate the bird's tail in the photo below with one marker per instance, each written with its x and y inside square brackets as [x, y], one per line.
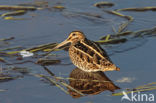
[117, 69]
[111, 68]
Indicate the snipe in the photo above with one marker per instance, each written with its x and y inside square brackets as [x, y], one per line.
[87, 55]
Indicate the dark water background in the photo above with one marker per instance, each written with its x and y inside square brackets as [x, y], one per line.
[54, 26]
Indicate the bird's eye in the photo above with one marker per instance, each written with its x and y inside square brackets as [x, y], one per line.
[74, 34]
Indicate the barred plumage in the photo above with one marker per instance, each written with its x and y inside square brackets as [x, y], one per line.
[87, 55]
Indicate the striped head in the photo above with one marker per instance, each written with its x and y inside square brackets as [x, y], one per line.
[73, 38]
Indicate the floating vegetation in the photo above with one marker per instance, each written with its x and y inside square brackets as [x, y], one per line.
[21, 9]
[11, 48]
[2, 60]
[58, 7]
[117, 38]
[36, 4]
[119, 14]
[46, 62]
[6, 39]
[123, 25]
[109, 40]
[12, 73]
[138, 9]
[147, 87]
[42, 47]
[126, 33]
[112, 41]
[14, 13]
[12, 7]
[54, 80]
[146, 32]
[125, 36]
[22, 70]
[4, 54]
[2, 90]
[11, 53]
[6, 77]
[13, 18]
[103, 4]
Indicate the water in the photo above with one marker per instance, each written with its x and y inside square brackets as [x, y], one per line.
[54, 26]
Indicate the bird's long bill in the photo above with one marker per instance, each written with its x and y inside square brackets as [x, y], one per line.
[62, 44]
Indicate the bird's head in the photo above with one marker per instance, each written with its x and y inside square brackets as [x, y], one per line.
[73, 38]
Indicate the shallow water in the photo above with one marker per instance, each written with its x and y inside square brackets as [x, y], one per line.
[54, 26]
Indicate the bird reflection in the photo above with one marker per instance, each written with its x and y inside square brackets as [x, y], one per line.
[89, 83]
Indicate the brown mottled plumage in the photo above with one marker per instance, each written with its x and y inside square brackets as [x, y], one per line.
[87, 55]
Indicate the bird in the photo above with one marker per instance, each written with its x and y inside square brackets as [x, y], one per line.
[87, 55]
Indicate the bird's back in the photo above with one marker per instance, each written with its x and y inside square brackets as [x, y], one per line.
[90, 57]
